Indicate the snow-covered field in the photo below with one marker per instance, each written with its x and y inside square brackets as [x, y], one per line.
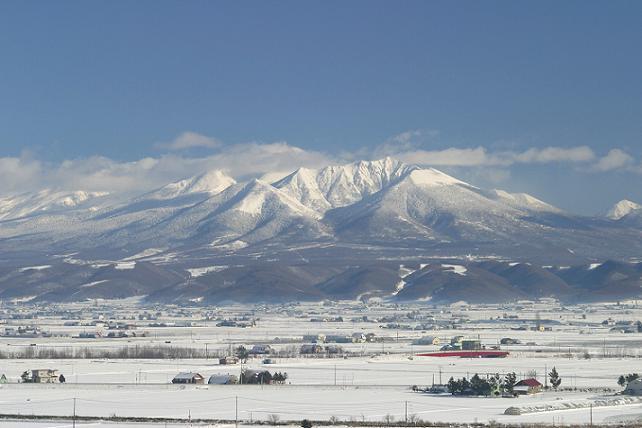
[293, 403]
[374, 381]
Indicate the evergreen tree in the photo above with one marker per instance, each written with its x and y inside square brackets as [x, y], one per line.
[464, 385]
[479, 386]
[265, 377]
[554, 378]
[509, 382]
[454, 386]
[242, 353]
[306, 424]
[495, 383]
[621, 381]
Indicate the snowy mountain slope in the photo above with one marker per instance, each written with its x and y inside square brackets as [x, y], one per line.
[211, 182]
[253, 211]
[338, 186]
[522, 201]
[440, 283]
[623, 209]
[48, 201]
[344, 228]
[427, 203]
[256, 212]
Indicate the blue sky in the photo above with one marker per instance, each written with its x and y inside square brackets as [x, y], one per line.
[91, 85]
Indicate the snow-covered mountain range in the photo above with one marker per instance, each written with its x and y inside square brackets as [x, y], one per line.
[309, 231]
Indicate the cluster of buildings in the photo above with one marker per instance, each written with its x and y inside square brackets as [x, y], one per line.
[27, 331]
[41, 376]
[247, 377]
[333, 338]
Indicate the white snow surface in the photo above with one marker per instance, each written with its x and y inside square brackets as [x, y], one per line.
[125, 265]
[196, 272]
[211, 182]
[523, 201]
[45, 201]
[623, 209]
[42, 267]
[458, 269]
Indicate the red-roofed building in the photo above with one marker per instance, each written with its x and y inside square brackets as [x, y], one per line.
[527, 386]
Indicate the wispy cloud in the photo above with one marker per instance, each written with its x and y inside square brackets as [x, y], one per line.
[258, 159]
[99, 173]
[615, 159]
[481, 156]
[190, 140]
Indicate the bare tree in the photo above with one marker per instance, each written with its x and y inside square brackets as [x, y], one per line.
[273, 419]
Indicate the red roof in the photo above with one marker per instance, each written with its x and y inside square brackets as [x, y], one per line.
[531, 383]
[466, 354]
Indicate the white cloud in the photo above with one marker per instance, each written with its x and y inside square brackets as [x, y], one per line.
[17, 174]
[256, 159]
[480, 156]
[614, 159]
[555, 154]
[103, 174]
[447, 157]
[189, 140]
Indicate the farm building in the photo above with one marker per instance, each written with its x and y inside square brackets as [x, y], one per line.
[527, 386]
[188, 377]
[223, 379]
[256, 377]
[634, 387]
[44, 376]
[338, 339]
[261, 350]
[456, 340]
[471, 345]
[314, 338]
[358, 337]
[311, 349]
[426, 340]
[230, 359]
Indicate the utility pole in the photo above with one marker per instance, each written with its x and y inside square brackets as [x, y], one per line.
[406, 412]
[591, 421]
[335, 375]
[236, 411]
[74, 419]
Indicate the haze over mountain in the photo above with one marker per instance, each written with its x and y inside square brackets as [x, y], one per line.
[368, 229]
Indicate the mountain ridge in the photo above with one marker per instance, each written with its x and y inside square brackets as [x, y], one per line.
[333, 225]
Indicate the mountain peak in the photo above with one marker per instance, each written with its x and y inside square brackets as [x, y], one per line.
[212, 182]
[340, 185]
[432, 177]
[622, 209]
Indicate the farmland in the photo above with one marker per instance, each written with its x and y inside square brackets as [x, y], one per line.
[361, 381]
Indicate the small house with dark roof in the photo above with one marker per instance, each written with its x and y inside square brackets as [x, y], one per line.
[188, 377]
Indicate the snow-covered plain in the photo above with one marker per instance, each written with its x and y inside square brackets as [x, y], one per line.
[374, 381]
